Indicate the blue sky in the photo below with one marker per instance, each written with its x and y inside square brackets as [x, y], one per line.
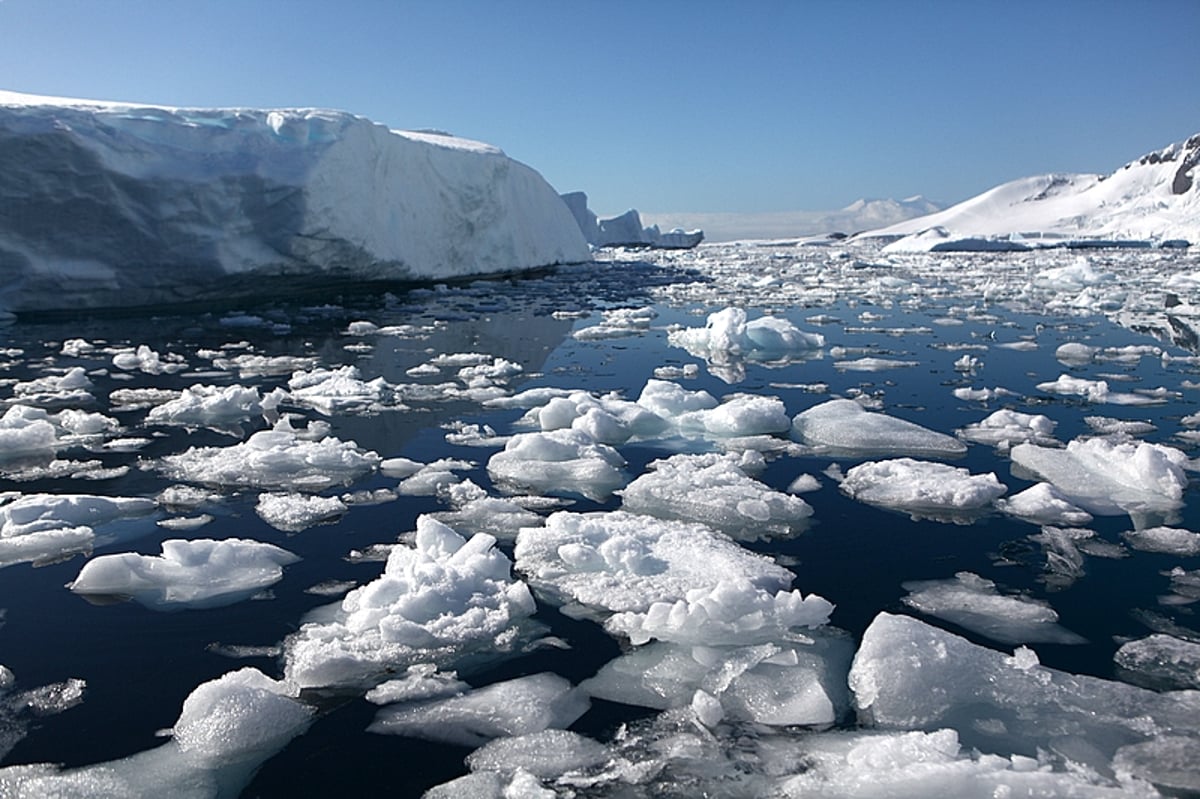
[696, 106]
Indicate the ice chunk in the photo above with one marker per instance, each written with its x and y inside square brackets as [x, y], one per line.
[1160, 662]
[619, 561]
[738, 415]
[727, 342]
[776, 684]
[200, 573]
[293, 512]
[716, 490]
[223, 409]
[516, 707]
[36, 527]
[921, 487]
[341, 390]
[909, 675]
[1044, 504]
[226, 729]
[608, 419]
[1098, 391]
[145, 359]
[73, 387]
[972, 602]
[1005, 428]
[477, 512]
[843, 426]
[668, 399]
[278, 458]
[19, 707]
[734, 611]
[549, 753]
[439, 601]
[560, 460]
[1109, 477]
[1170, 540]
[421, 681]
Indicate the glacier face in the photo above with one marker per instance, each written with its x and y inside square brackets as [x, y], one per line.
[109, 205]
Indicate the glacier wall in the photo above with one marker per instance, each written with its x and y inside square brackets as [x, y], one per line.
[118, 205]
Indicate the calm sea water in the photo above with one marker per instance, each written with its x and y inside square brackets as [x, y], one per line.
[140, 665]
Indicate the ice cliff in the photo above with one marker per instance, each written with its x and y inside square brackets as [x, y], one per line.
[108, 204]
[1152, 201]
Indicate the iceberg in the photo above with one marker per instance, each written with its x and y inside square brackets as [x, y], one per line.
[138, 205]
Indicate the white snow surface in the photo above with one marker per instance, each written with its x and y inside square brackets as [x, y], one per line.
[175, 204]
[1153, 200]
[200, 573]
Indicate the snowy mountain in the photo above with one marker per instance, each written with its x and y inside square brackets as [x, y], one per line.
[1153, 201]
[116, 204]
[864, 214]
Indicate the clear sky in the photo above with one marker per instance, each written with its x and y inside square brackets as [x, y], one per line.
[753, 106]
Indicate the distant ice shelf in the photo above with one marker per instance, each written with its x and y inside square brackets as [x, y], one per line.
[114, 204]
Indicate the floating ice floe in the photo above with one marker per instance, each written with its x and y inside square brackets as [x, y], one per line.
[73, 387]
[227, 728]
[567, 460]
[282, 458]
[655, 757]
[982, 394]
[199, 573]
[673, 580]
[974, 603]
[1098, 391]
[144, 359]
[515, 707]
[872, 364]
[441, 601]
[48, 527]
[223, 409]
[341, 390]
[1160, 662]
[608, 419]
[618, 323]
[248, 365]
[777, 684]
[908, 675]
[716, 490]
[1044, 504]
[844, 427]
[32, 434]
[1006, 428]
[728, 342]
[19, 708]
[475, 511]
[1109, 476]
[924, 489]
[1169, 540]
[292, 512]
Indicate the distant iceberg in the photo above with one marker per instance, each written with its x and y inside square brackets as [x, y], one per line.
[110, 204]
[626, 230]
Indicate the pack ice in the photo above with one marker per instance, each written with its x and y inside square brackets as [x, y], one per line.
[129, 204]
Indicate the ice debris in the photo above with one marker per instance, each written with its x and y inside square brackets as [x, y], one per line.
[844, 427]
